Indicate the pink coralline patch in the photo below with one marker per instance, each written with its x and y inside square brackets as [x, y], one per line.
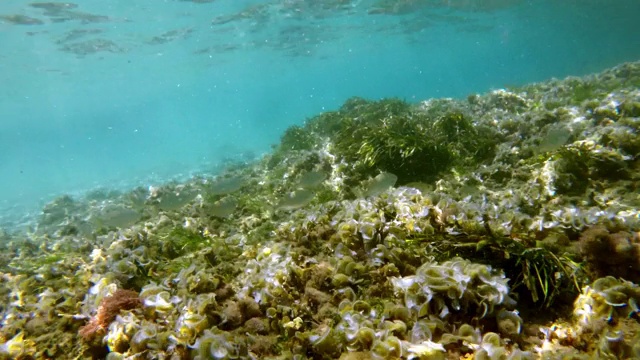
[108, 310]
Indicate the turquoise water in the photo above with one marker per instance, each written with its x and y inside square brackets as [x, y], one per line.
[109, 94]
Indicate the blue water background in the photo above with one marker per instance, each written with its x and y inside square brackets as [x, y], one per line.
[219, 89]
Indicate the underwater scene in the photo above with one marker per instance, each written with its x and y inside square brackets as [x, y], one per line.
[329, 179]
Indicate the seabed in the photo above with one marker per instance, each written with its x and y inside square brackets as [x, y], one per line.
[500, 226]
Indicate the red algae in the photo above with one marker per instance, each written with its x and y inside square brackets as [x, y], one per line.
[109, 308]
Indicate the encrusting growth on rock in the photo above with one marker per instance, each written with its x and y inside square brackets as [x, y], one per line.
[421, 241]
[110, 306]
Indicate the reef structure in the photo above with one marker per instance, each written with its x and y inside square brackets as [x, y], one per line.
[381, 230]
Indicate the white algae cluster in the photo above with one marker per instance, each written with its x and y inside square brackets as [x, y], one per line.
[502, 226]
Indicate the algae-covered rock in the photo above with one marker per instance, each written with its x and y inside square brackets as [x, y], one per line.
[622, 249]
[380, 230]
[452, 286]
[607, 299]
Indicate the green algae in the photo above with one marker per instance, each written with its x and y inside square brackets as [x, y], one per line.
[182, 241]
[391, 135]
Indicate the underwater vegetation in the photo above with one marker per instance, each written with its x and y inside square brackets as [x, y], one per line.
[109, 308]
[414, 143]
[501, 226]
